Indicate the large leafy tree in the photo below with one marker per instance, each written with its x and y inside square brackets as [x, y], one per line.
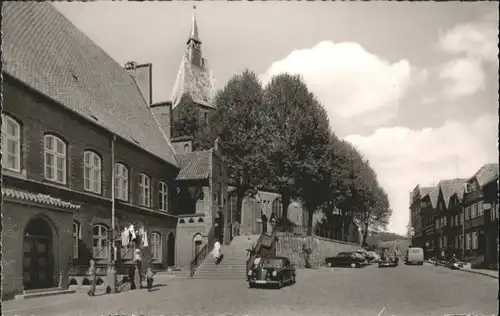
[297, 133]
[237, 123]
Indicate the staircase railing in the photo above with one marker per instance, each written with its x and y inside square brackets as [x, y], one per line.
[204, 251]
[265, 240]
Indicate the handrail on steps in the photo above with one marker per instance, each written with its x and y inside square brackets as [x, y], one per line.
[204, 251]
[265, 239]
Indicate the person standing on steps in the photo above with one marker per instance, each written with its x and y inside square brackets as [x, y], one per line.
[93, 278]
[217, 252]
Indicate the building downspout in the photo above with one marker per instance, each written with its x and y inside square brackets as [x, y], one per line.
[112, 267]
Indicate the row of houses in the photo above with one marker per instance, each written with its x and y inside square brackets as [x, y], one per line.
[458, 216]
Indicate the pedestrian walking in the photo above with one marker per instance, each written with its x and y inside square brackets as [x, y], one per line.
[307, 252]
[217, 252]
[131, 277]
[93, 278]
[149, 279]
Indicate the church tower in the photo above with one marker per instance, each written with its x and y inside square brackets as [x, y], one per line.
[194, 76]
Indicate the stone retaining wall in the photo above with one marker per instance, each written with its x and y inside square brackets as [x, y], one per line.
[291, 247]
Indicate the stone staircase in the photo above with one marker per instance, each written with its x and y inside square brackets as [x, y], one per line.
[234, 263]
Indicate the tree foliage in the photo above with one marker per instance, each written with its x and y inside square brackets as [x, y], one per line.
[278, 137]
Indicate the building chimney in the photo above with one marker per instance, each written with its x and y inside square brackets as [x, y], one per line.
[143, 76]
[162, 111]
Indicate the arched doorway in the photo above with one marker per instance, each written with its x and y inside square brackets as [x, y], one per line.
[197, 241]
[264, 223]
[37, 255]
[171, 250]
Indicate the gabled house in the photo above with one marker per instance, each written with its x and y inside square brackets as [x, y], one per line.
[447, 216]
[417, 195]
[481, 216]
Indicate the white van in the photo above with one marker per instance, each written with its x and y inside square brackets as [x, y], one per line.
[414, 256]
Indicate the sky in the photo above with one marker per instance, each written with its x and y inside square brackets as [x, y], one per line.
[413, 85]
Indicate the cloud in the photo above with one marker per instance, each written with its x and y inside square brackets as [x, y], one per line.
[476, 43]
[347, 79]
[477, 39]
[466, 75]
[404, 158]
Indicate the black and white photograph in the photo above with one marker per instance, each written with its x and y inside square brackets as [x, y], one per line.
[249, 158]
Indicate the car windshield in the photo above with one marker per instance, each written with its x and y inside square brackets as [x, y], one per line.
[416, 250]
[272, 263]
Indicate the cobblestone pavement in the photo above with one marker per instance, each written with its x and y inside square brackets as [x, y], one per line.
[404, 290]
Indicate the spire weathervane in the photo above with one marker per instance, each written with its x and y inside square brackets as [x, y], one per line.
[194, 28]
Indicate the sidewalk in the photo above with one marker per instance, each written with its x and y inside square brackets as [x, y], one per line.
[490, 273]
[467, 268]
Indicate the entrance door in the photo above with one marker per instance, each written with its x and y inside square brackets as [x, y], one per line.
[171, 250]
[37, 263]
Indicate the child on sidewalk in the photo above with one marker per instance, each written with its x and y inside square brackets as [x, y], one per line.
[149, 279]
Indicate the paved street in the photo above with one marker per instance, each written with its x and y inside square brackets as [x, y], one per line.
[413, 290]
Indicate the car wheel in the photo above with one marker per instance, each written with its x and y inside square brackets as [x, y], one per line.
[353, 265]
[293, 279]
[329, 264]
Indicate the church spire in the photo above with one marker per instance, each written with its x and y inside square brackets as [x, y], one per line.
[194, 29]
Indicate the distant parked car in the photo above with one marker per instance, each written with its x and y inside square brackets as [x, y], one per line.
[346, 259]
[276, 271]
[372, 256]
[390, 261]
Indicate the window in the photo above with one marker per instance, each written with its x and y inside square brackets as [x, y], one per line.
[445, 221]
[467, 213]
[55, 159]
[480, 209]
[121, 182]
[474, 240]
[11, 144]
[144, 190]
[468, 241]
[437, 223]
[76, 237]
[496, 210]
[100, 246]
[462, 219]
[156, 246]
[473, 211]
[163, 196]
[461, 244]
[92, 172]
[445, 241]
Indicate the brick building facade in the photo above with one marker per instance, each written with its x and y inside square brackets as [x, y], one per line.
[79, 141]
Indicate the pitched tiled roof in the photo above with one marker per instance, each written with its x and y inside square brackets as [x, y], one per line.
[194, 165]
[45, 51]
[433, 195]
[425, 191]
[37, 198]
[486, 174]
[451, 187]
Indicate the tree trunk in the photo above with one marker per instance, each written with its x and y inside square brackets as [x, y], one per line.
[285, 199]
[310, 215]
[365, 236]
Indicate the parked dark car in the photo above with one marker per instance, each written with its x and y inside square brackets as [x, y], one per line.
[276, 271]
[346, 259]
